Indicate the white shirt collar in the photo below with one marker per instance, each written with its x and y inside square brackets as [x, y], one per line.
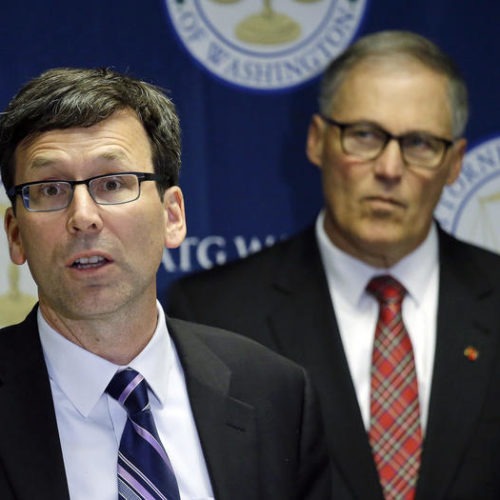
[350, 275]
[83, 376]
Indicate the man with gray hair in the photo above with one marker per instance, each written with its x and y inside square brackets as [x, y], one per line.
[396, 321]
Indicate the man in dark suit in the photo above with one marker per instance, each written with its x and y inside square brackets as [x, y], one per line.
[387, 139]
[101, 395]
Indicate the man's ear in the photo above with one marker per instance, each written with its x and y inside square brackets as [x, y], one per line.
[458, 155]
[16, 248]
[315, 140]
[175, 220]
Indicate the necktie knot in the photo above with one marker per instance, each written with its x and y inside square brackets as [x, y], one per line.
[130, 389]
[386, 289]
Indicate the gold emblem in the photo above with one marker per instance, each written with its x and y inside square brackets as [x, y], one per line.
[267, 27]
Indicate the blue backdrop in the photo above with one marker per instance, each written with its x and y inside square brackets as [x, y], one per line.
[245, 175]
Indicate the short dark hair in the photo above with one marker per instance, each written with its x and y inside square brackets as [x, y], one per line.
[62, 98]
[391, 45]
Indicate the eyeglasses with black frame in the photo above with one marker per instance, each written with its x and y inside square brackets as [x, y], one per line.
[107, 189]
[367, 141]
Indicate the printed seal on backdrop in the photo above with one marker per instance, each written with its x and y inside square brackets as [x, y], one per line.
[470, 207]
[17, 289]
[265, 44]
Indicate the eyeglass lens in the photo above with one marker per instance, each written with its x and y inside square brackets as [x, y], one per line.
[417, 148]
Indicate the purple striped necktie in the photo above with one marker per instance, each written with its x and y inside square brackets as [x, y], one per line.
[144, 469]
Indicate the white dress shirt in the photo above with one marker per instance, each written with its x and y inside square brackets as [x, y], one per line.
[357, 311]
[90, 422]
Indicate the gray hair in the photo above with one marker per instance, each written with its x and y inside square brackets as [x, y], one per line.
[62, 98]
[393, 44]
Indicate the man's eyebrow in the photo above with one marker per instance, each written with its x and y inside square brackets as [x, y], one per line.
[113, 155]
[42, 161]
[376, 124]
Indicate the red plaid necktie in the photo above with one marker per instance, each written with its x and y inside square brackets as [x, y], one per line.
[395, 432]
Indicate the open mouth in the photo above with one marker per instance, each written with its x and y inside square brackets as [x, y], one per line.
[89, 262]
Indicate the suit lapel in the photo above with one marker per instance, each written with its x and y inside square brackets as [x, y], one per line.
[305, 329]
[226, 426]
[466, 304]
[28, 430]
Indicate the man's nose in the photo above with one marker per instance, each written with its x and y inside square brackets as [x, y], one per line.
[83, 212]
[390, 163]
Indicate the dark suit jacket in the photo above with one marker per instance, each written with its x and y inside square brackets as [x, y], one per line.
[254, 411]
[280, 298]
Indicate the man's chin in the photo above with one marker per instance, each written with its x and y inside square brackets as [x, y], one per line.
[381, 246]
[381, 232]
